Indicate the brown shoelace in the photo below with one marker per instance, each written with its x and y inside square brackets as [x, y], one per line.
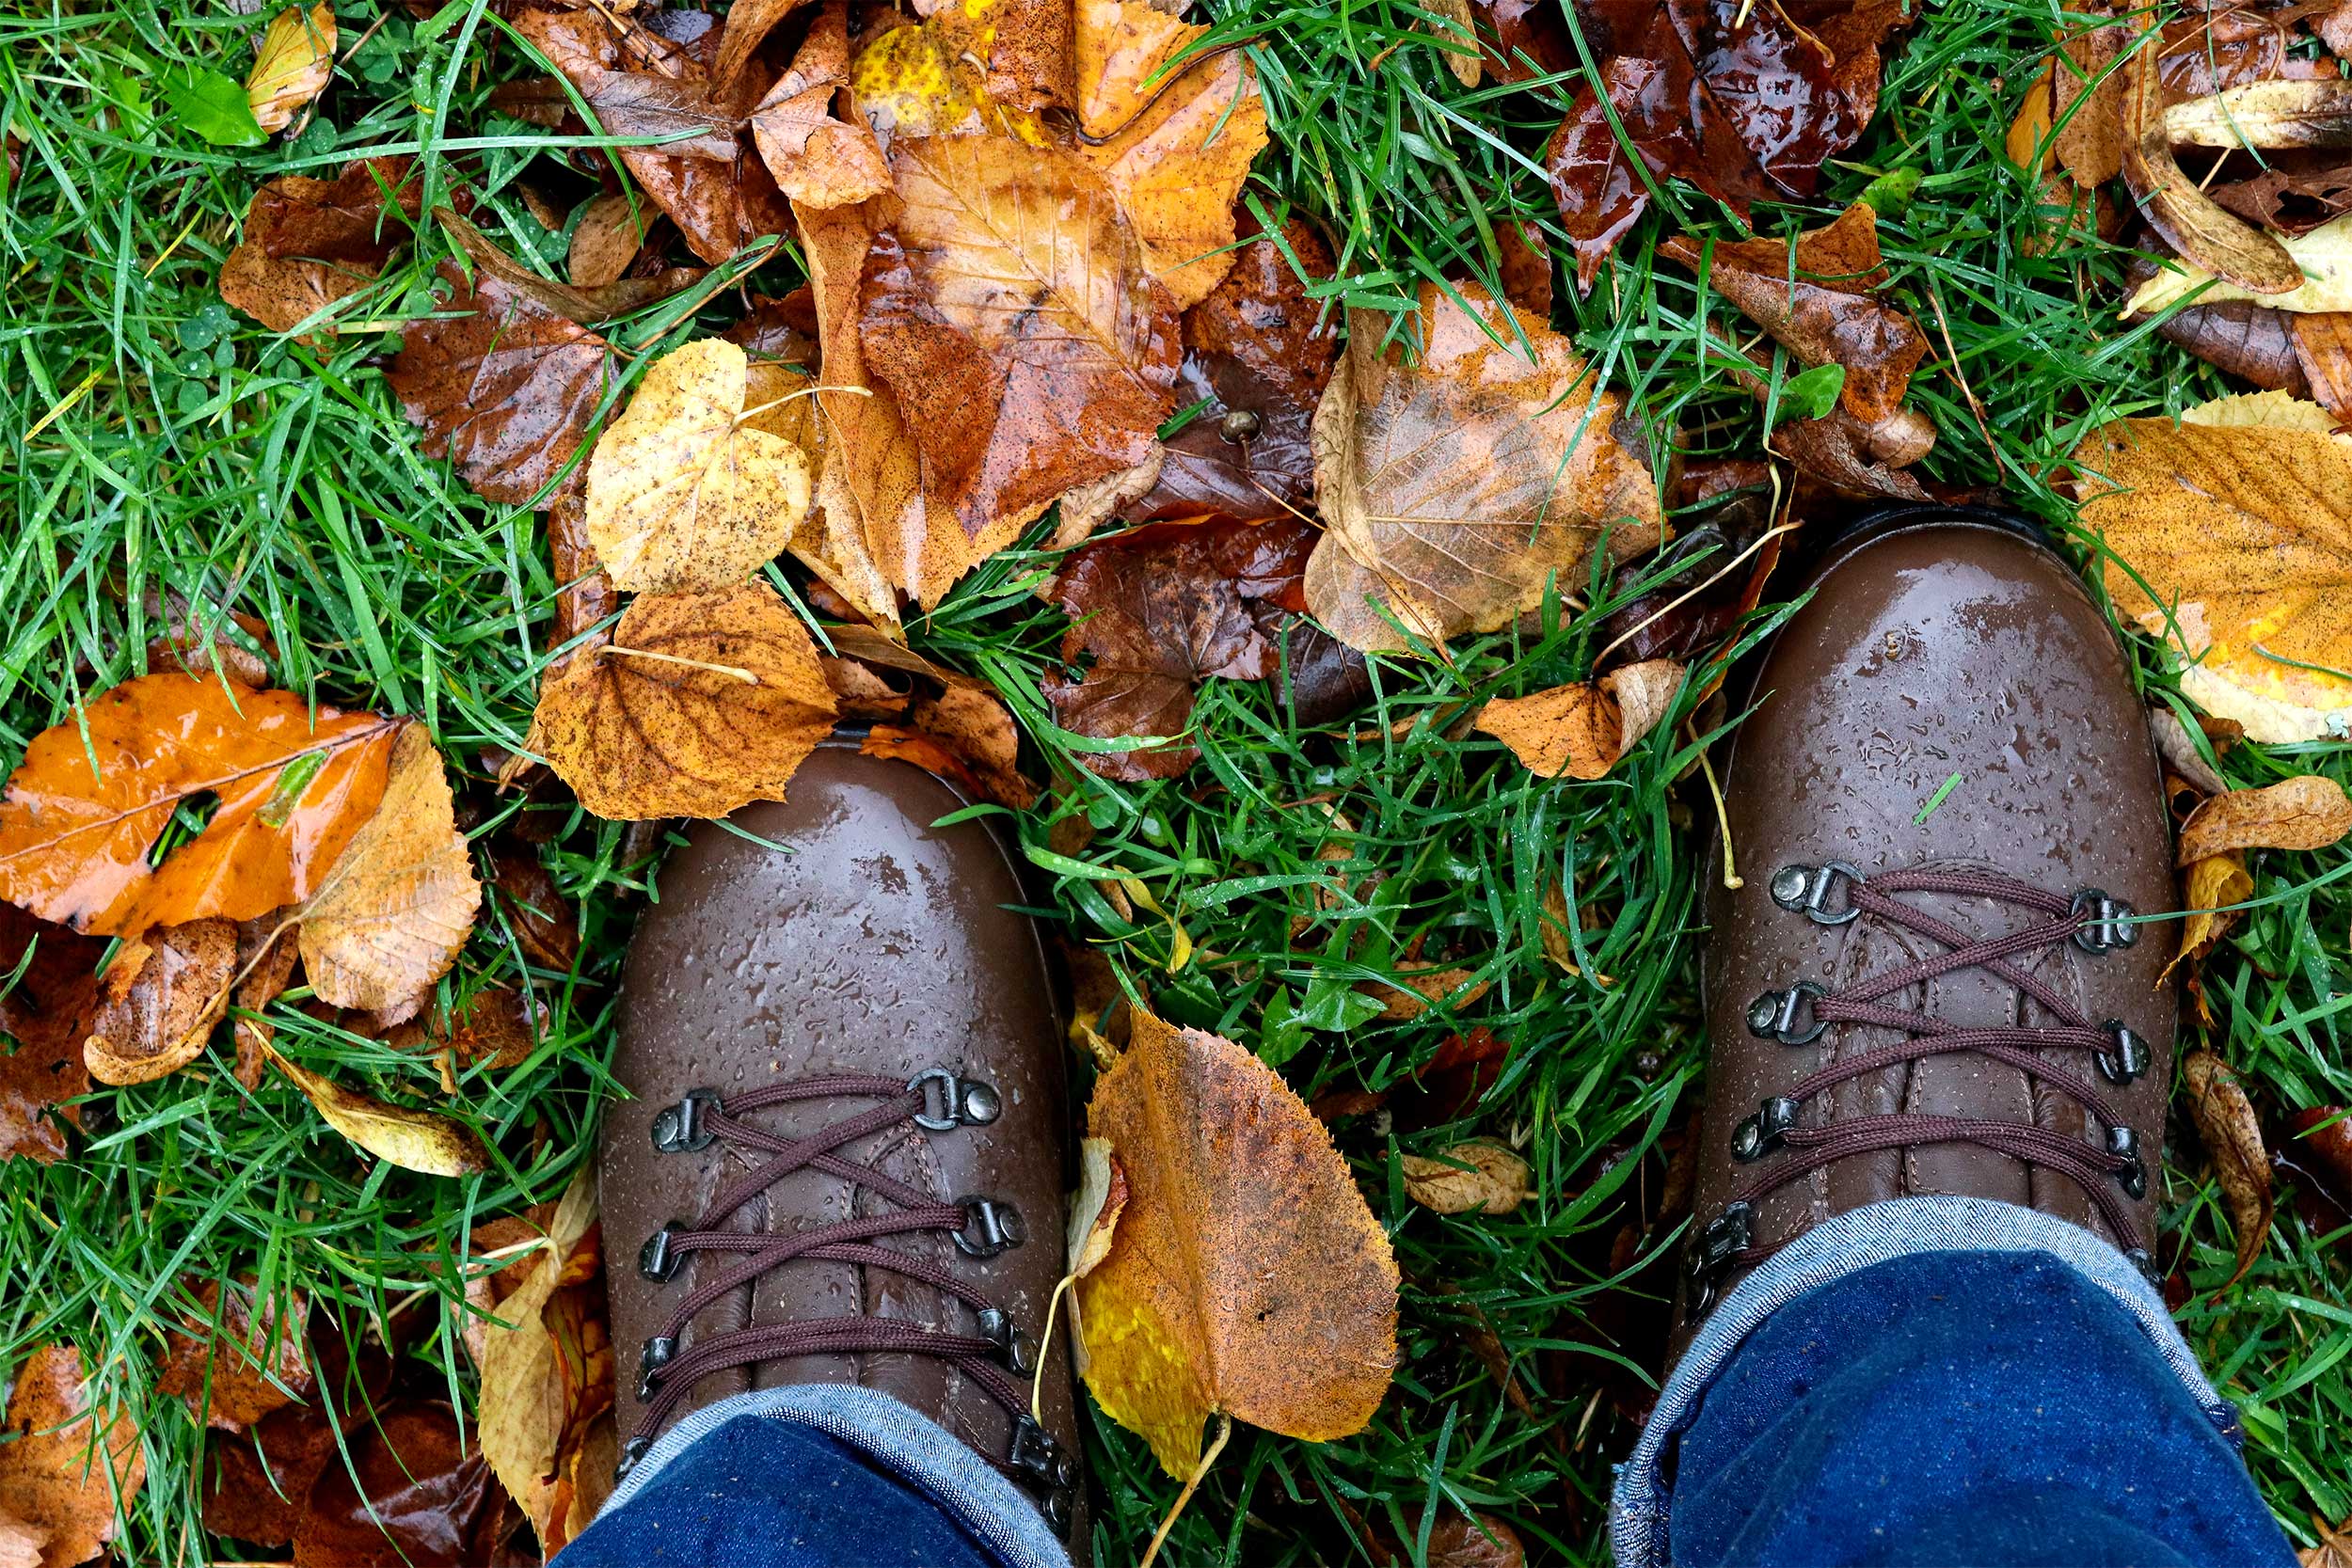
[936, 1100]
[2110, 1173]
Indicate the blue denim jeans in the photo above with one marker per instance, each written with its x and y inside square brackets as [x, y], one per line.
[1930, 1380]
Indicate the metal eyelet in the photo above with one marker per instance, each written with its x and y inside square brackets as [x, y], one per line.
[1727, 1235]
[1774, 1016]
[631, 1451]
[961, 1101]
[681, 1128]
[1034, 1455]
[1806, 889]
[1017, 1349]
[998, 1225]
[2128, 1060]
[1059, 1507]
[2105, 922]
[2124, 1142]
[658, 1259]
[1759, 1134]
[658, 1352]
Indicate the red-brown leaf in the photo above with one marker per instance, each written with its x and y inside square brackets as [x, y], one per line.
[422, 1499]
[44, 1012]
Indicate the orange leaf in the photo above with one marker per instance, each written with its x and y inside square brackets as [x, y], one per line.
[1245, 1277]
[1583, 728]
[819, 160]
[242, 1366]
[2305, 813]
[74, 842]
[50, 1477]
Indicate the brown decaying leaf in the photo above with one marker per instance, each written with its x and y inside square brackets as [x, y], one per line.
[965, 735]
[1247, 1277]
[1159, 611]
[503, 388]
[2237, 519]
[607, 239]
[235, 1366]
[2304, 813]
[2179, 751]
[2190, 221]
[584, 306]
[1008, 307]
[1584, 728]
[73, 845]
[638, 738]
[528, 899]
[1495, 1181]
[266, 951]
[685, 491]
[1474, 1540]
[1819, 298]
[422, 1141]
[160, 999]
[2233, 1141]
[424, 1497]
[1179, 142]
[295, 59]
[2090, 133]
[308, 243]
[1454, 489]
[52, 1477]
[2335, 1549]
[45, 1012]
[818, 159]
[391, 915]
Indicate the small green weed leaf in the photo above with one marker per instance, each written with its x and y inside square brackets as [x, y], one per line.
[214, 107]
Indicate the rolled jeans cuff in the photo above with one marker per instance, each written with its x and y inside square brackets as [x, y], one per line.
[1856, 1240]
[895, 1438]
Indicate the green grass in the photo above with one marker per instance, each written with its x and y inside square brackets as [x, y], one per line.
[181, 448]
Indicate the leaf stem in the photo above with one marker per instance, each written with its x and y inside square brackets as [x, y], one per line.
[1217, 1446]
[731, 671]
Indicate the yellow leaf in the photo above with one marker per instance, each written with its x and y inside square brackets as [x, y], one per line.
[1454, 489]
[533, 1398]
[1583, 728]
[297, 55]
[2239, 522]
[1181, 142]
[2324, 256]
[700, 704]
[1245, 1277]
[684, 493]
[920, 81]
[2305, 813]
[422, 1141]
[400, 902]
[2211, 886]
[1495, 1183]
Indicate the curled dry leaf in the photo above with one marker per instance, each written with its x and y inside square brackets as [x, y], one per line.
[399, 904]
[1495, 1181]
[2321, 259]
[308, 243]
[296, 57]
[1095, 1212]
[422, 1141]
[1178, 140]
[2179, 751]
[293, 784]
[2207, 890]
[662, 721]
[1454, 489]
[686, 491]
[1009, 309]
[415, 1490]
[2266, 114]
[1584, 728]
[818, 159]
[235, 1365]
[966, 736]
[2190, 221]
[44, 1011]
[56, 1475]
[503, 388]
[1245, 1277]
[2237, 522]
[160, 1000]
[2305, 813]
[1819, 298]
[2233, 1141]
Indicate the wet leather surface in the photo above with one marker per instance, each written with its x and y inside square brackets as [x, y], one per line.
[1929, 650]
[873, 942]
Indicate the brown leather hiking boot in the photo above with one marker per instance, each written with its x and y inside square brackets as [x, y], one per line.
[844, 1162]
[1945, 807]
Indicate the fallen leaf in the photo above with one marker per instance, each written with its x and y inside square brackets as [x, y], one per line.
[2233, 1142]
[1095, 1212]
[1495, 1182]
[297, 59]
[1474, 1540]
[2245, 340]
[649, 104]
[266, 951]
[57, 1475]
[541, 916]
[416, 1495]
[2335, 1549]
[685, 493]
[1176, 141]
[21, 1543]
[818, 159]
[2180, 753]
[46, 998]
[74, 845]
[2317, 1153]
[1818, 298]
[1454, 1080]
[398, 904]
[422, 1141]
[1584, 728]
[682, 733]
[607, 239]
[2305, 813]
[1455, 489]
[308, 243]
[542, 1389]
[2178, 209]
[160, 1000]
[2234, 520]
[963, 734]
[581, 306]
[1423, 988]
[1159, 611]
[2209, 888]
[926, 81]
[1009, 309]
[235, 1366]
[1522, 40]
[1245, 1277]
